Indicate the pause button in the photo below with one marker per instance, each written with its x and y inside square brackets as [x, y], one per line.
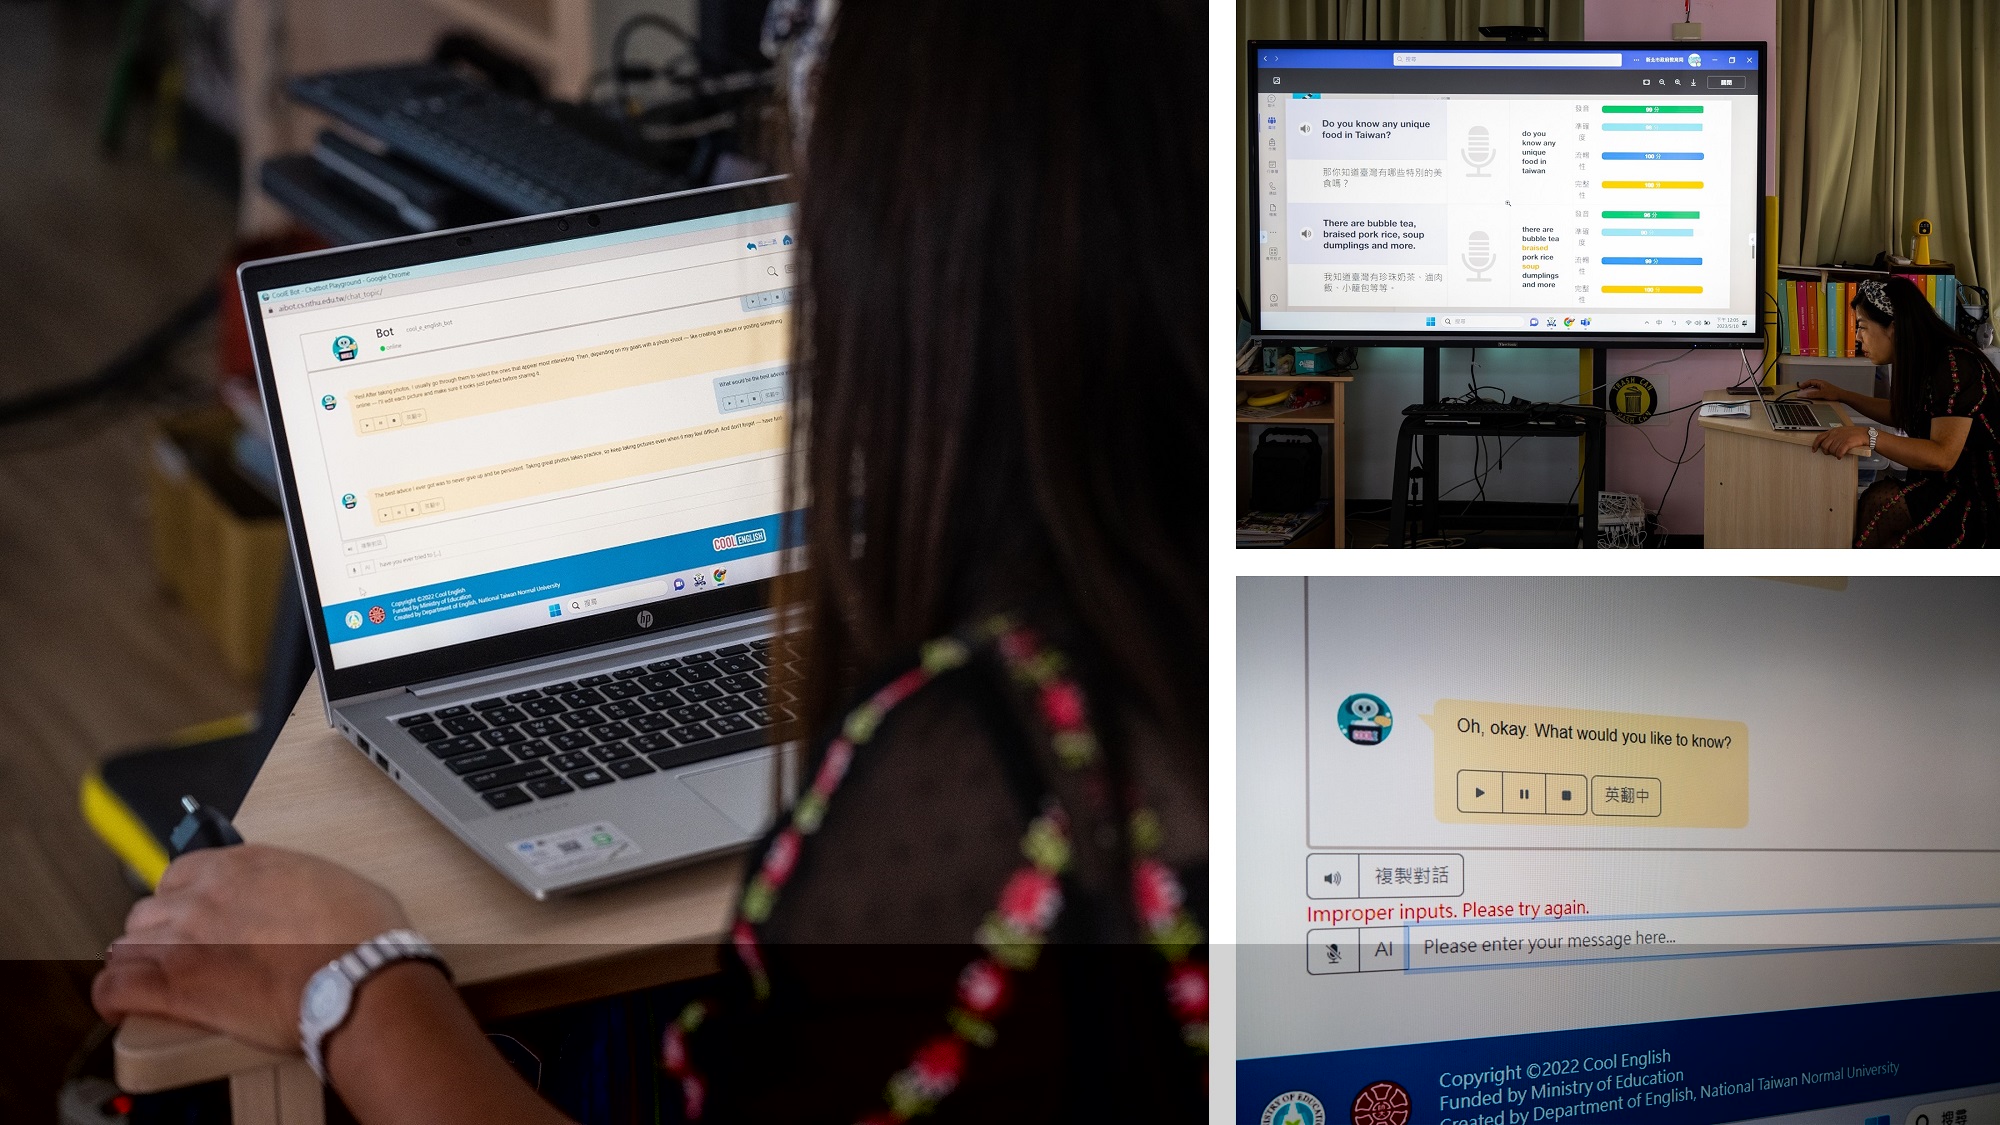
[1524, 792]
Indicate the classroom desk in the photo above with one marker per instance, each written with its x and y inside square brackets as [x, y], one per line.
[509, 953]
[1767, 488]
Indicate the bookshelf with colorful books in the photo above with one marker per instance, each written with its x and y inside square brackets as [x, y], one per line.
[1815, 314]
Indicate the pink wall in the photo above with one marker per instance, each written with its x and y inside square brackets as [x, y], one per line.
[1631, 463]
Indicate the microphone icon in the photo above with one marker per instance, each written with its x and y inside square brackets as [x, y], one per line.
[1478, 151]
[1478, 255]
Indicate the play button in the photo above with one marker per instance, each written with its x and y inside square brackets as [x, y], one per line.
[1479, 791]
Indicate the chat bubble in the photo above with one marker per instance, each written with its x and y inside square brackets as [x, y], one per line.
[1515, 763]
[516, 481]
[1370, 234]
[764, 339]
[1366, 129]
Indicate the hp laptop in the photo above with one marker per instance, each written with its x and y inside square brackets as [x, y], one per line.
[1800, 413]
[533, 474]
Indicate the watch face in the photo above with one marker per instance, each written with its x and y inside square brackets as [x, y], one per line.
[326, 995]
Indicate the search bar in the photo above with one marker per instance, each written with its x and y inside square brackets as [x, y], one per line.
[1531, 60]
[611, 597]
[1482, 322]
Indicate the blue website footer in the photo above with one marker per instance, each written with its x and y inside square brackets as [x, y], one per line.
[1716, 1069]
[549, 581]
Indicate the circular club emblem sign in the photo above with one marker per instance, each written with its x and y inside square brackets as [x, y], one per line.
[1381, 1103]
[1295, 1107]
[1633, 400]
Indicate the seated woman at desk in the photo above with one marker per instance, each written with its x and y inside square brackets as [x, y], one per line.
[1944, 396]
[992, 912]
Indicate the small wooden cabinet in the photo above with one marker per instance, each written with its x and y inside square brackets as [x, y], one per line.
[1331, 532]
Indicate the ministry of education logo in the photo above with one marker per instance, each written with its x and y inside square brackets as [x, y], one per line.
[1295, 1107]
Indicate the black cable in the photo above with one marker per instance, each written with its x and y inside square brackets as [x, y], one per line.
[1483, 470]
[127, 366]
[1471, 479]
[1687, 434]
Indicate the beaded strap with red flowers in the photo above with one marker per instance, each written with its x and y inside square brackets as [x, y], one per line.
[1015, 931]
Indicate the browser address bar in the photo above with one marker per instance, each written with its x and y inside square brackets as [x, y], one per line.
[1532, 60]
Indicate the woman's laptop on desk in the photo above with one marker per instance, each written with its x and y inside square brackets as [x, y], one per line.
[534, 477]
[1799, 413]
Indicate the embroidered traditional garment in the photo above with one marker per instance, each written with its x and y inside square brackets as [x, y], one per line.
[1959, 507]
[1029, 903]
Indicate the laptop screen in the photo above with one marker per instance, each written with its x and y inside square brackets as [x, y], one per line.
[1645, 851]
[509, 440]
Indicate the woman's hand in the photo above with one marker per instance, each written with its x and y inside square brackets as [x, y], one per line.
[231, 937]
[1820, 388]
[1841, 441]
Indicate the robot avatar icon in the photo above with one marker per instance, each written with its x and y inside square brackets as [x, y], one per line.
[1364, 719]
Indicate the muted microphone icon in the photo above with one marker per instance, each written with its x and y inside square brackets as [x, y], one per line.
[1478, 255]
[1478, 152]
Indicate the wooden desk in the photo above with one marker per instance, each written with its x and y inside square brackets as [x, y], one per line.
[1767, 488]
[510, 954]
[1333, 471]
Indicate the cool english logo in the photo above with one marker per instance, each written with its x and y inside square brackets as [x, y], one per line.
[740, 539]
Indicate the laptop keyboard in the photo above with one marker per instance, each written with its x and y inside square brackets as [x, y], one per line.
[1793, 413]
[567, 735]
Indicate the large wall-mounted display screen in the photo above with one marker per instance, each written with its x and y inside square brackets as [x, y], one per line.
[1570, 195]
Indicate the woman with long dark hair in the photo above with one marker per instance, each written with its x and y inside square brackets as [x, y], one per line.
[986, 904]
[1944, 395]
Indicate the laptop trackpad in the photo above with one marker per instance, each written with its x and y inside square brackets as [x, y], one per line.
[745, 792]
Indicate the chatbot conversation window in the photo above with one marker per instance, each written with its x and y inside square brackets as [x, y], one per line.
[1617, 849]
[537, 435]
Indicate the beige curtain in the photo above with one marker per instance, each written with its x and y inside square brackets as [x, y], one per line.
[1885, 113]
[1377, 19]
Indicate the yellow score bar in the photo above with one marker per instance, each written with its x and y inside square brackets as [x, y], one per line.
[1691, 185]
[1652, 289]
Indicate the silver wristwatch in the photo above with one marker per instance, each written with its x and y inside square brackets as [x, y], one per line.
[329, 995]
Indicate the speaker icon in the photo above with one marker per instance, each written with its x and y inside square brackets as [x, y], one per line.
[1332, 878]
[1479, 256]
[1478, 152]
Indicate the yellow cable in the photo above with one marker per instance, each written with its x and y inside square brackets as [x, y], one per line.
[214, 730]
[122, 831]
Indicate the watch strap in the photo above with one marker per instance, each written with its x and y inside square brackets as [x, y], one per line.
[357, 965]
